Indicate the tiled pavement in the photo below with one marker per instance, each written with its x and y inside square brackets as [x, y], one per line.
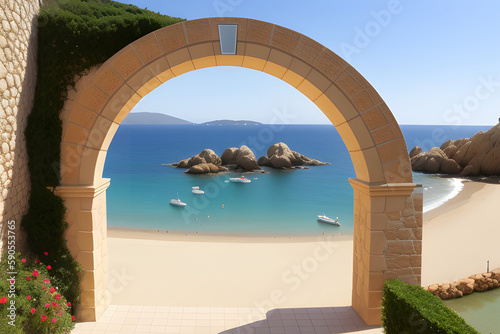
[204, 320]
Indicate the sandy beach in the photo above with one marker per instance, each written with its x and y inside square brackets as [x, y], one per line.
[230, 271]
[151, 267]
[462, 234]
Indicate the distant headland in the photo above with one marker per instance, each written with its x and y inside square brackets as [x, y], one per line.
[158, 118]
[152, 118]
[231, 122]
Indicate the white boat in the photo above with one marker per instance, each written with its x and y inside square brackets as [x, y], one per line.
[240, 179]
[197, 191]
[325, 219]
[177, 202]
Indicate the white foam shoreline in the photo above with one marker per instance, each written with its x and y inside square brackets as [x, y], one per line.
[458, 185]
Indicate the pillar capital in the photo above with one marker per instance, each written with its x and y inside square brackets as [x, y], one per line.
[385, 189]
[82, 191]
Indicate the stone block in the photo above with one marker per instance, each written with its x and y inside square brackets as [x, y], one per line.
[93, 98]
[308, 50]
[199, 31]
[147, 48]
[314, 85]
[126, 62]
[143, 82]
[82, 116]
[403, 262]
[284, 39]
[108, 80]
[259, 32]
[362, 102]
[348, 85]
[171, 38]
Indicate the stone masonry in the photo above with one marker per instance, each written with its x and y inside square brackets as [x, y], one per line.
[18, 71]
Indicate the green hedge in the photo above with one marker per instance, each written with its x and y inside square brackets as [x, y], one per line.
[410, 309]
[73, 37]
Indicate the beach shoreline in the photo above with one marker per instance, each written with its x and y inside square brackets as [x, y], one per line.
[177, 235]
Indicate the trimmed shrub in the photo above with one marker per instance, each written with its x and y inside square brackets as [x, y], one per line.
[73, 37]
[410, 309]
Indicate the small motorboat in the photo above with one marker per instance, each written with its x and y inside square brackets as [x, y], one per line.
[325, 219]
[197, 191]
[240, 179]
[177, 202]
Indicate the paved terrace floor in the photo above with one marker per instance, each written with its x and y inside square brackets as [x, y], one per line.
[212, 320]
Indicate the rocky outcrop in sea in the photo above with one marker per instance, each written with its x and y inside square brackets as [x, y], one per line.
[281, 156]
[243, 160]
[207, 161]
[479, 155]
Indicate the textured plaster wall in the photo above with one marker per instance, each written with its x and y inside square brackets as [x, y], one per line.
[18, 70]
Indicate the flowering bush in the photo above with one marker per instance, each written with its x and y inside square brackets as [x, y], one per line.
[29, 301]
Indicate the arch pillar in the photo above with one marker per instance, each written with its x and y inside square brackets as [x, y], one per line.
[86, 240]
[387, 241]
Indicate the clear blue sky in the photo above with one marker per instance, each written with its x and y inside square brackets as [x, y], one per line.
[433, 62]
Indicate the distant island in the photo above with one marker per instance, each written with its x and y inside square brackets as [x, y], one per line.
[231, 122]
[152, 118]
[158, 118]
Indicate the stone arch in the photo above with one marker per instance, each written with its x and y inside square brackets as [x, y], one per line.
[387, 210]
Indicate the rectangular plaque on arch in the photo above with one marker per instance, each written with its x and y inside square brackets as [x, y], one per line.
[227, 35]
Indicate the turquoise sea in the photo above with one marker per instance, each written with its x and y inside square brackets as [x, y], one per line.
[276, 203]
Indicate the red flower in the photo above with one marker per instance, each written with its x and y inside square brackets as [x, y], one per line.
[52, 290]
[46, 281]
[33, 310]
[44, 317]
[69, 304]
[54, 304]
[23, 260]
[28, 297]
[35, 273]
[54, 320]
[45, 253]
[73, 318]
[3, 300]
[37, 261]
[47, 305]
[43, 287]
[28, 278]
[49, 267]
[12, 282]
[58, 296]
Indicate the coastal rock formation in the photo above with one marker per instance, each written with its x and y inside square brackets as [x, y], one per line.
[205, 156]
[229, 156]
[204, 162]
[242, 158]
[205, 168]
[209, 162]
[280, 155]
[466, 286]
[479, 155]
[245, 159]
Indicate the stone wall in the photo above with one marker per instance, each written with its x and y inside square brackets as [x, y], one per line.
[18, 71]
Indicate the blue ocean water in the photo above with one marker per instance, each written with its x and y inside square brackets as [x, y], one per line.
[278, 203]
